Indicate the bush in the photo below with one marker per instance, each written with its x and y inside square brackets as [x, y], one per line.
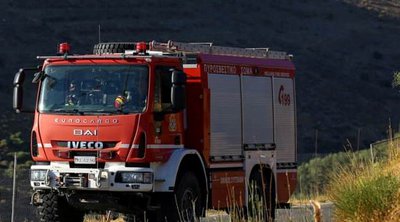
[368, 190]
[315, 175]
[15, 138]
[396, 80]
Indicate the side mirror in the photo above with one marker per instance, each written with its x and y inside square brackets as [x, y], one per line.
[178, 91]
[178, 77]
[18, 95]
[19, 79]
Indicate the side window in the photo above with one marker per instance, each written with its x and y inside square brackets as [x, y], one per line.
[162, 98]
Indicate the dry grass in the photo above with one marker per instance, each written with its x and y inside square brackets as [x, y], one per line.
[296, 200]
[101, 218]
[368, 191]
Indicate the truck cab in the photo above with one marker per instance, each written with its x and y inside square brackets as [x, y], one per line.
[105, 123]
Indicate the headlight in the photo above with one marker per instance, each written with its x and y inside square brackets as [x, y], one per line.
[38, 175]
[129, 177]
[134, 177]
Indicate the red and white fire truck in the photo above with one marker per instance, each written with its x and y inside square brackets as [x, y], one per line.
[170, 129]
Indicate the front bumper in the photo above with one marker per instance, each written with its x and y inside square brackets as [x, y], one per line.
[59, 175]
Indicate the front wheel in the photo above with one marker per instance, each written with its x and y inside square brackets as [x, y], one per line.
[189, 203]
[55, 208]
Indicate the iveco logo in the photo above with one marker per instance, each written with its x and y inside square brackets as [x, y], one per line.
[81, 132]
[85, 145]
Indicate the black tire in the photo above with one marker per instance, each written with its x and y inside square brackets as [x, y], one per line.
[56, 209]
[133, 218]
[262, 199]
[187, 194]
[148, 216]
[113, 47]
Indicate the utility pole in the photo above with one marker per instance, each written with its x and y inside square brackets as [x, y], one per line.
[316, 142]
[358, 138]
[99, 31]
[14, 184]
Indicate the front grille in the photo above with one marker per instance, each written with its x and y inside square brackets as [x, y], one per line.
[82, 153]
[144, 165]
[105, 144]
[75, 180]
[98, 165]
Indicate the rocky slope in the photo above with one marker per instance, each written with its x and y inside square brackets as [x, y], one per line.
[345, 51]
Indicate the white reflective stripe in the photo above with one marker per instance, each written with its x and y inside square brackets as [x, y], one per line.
[39, 145]
[226, 165]
[283, 171]
[124, 145]
[163, 146]
[152, 146]
[189, 65]
[47, 145]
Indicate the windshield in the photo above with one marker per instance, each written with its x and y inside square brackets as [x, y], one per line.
[86, 89]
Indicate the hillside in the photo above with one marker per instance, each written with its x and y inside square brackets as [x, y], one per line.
[345, 51]
[384, 8]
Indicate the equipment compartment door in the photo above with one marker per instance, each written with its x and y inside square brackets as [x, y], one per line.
[257, 112]
[284, 105]
[225, 117]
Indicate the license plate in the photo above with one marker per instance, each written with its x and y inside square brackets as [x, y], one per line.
[85, 159]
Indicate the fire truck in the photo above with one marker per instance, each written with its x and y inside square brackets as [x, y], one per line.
[162, 131]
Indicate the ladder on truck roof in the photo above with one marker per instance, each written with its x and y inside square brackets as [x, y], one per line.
[209, 48]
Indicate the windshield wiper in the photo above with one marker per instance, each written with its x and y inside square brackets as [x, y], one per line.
[69, 111]
[111, 111]
[77, 111]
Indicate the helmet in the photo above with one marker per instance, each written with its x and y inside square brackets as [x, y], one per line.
[119, 102]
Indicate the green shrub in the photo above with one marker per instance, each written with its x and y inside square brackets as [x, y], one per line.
[396, 80]
[364, 194]
[315, 175]
[15, 138]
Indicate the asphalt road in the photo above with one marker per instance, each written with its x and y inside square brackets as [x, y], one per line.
[298, 213]
[304, 213]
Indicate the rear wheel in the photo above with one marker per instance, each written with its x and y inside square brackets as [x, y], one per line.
[134, 218]
[261, 205]
[56, 209]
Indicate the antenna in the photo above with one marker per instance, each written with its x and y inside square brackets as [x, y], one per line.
[99, 33]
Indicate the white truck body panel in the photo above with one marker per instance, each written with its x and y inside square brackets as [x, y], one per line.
[165, 173]
[257, 157]
[98, 179]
